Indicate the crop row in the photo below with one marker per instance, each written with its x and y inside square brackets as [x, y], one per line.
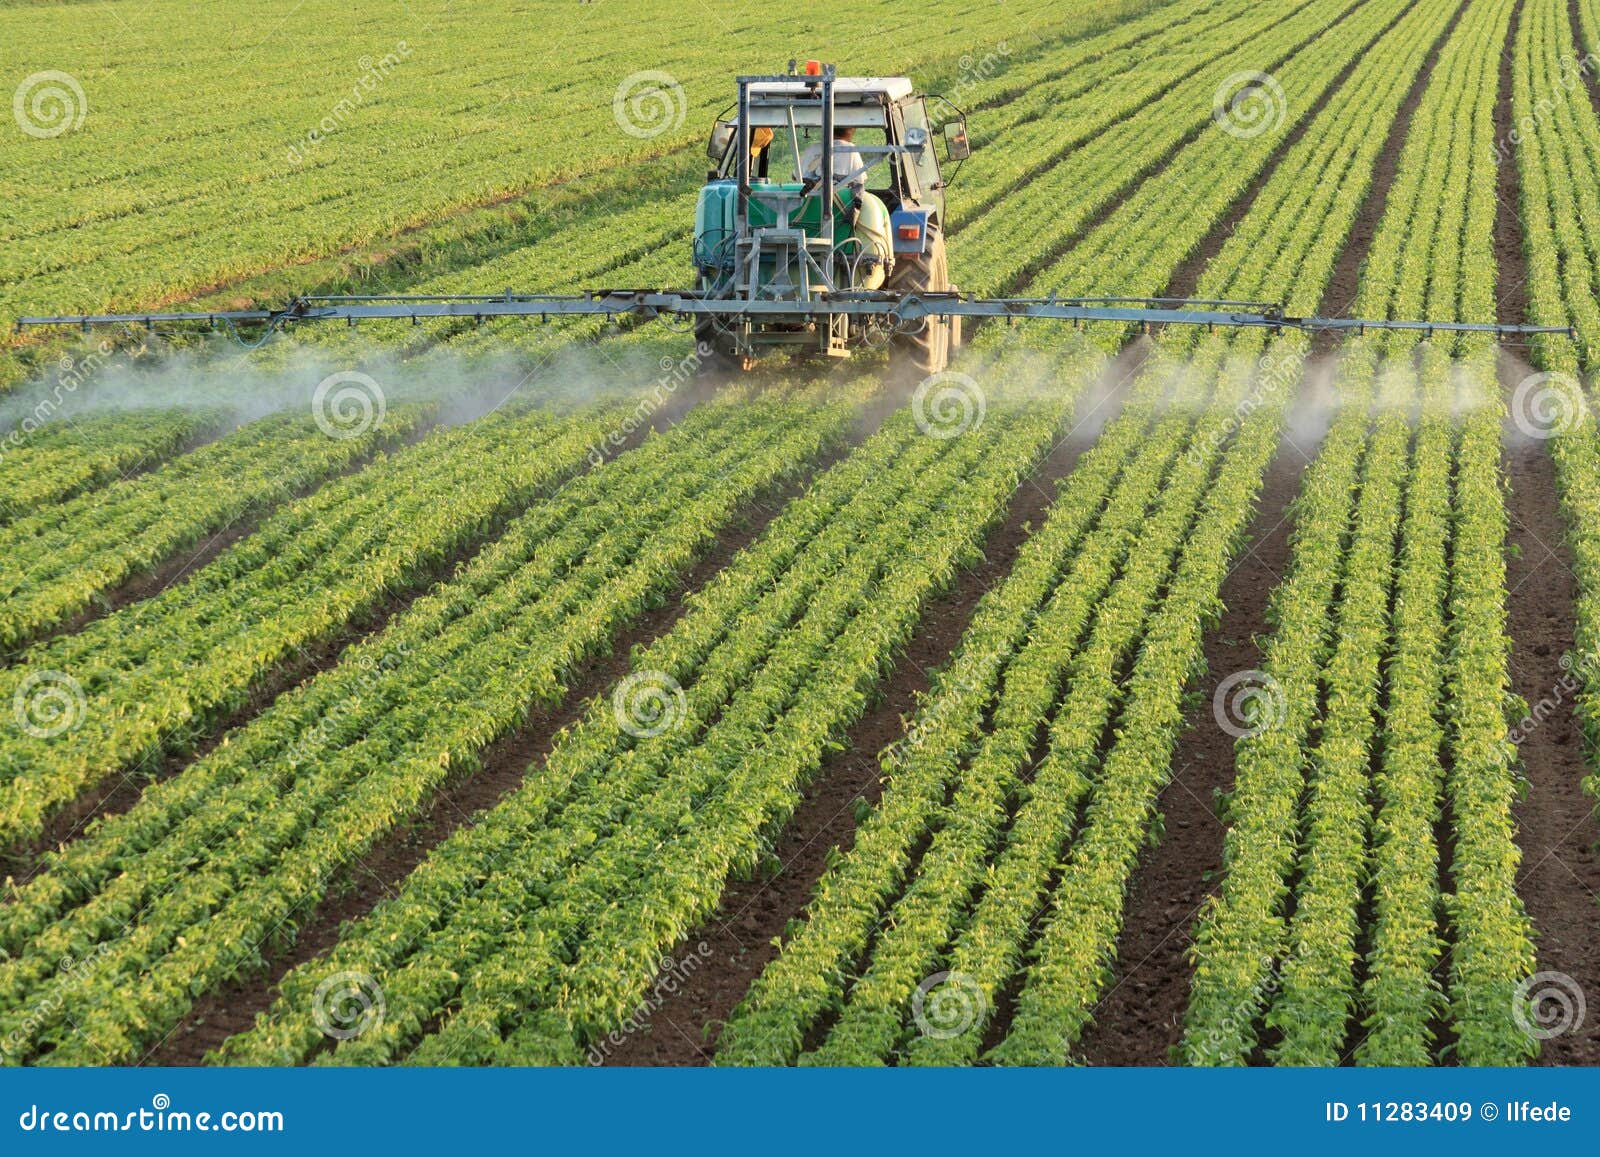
[188, 888]
[58, 461]
[1491, 948]
[1558, 153]
[155, 676]
[60, 560]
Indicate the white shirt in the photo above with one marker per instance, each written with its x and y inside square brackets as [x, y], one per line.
[848, 164]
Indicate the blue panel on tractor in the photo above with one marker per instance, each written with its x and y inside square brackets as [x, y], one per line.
[909, 227]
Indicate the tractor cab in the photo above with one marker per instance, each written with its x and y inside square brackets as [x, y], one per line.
[824, 186]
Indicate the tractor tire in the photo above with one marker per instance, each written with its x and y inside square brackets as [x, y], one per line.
[920, 354]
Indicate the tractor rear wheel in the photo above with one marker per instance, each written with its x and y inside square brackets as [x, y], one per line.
[928, 351]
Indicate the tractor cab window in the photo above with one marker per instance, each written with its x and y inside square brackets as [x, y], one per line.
[778, 161]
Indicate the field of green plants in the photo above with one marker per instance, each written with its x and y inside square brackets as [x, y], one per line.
[465, 694]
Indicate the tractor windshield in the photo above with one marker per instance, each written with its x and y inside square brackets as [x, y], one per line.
[778, 161]
[924, 161]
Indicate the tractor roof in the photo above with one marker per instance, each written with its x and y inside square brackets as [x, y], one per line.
[845, 88]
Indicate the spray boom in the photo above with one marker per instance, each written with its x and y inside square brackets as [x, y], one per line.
[897, 312]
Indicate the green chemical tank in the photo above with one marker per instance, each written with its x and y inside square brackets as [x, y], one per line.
[865, 248]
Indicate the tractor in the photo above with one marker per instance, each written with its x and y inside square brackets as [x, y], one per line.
[823, 187]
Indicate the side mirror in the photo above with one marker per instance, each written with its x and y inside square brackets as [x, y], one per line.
[722, 134]
[956, 145]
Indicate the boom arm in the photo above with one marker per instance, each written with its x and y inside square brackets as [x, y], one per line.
[904, 311]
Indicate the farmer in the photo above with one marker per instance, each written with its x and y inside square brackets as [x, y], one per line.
[848, 165]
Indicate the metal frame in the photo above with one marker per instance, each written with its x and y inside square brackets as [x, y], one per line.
[907, 312]
[787, 245]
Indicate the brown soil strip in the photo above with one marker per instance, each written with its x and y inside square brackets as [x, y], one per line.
[1560, 877]
[739, 940]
